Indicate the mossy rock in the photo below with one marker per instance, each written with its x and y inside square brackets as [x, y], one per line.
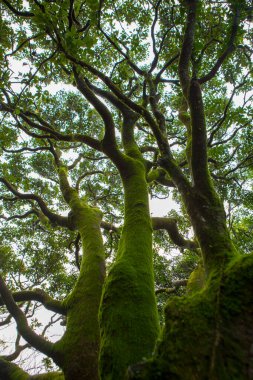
[208, 334]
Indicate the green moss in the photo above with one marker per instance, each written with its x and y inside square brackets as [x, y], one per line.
[129, 318]
[209, 334]
[10, 371]
[79, 347]
[197, 279]
[48, 376]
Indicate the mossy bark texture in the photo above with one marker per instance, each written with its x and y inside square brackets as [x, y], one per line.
[10, 371]
[129, 319]
[208, 334]
[79, 347]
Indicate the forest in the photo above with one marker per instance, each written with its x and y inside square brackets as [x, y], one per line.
[126, 192]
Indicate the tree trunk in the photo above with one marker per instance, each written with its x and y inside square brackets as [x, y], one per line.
[129, 319]
[208, 335]
[79, 347]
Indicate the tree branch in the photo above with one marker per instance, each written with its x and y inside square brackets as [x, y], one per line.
[10, 371]
[186, 51]
[22, 216]
[38, 295]
[27, 333]
[170, 225]
[109, 140]
[6, 321]
[175, 284]
[229, 49]
[198, 155]
[54, 218]
[45, 127]
[17, 12]
[18, 349]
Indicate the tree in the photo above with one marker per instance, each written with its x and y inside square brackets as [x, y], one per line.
[160, 103]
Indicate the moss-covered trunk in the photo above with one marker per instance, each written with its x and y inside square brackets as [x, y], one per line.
[79, 347]
[208, 334]
[208, 219]
[129, 320]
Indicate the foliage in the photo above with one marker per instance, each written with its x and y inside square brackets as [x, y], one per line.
[94, 94]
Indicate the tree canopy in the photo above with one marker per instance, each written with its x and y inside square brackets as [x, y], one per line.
[106, 105]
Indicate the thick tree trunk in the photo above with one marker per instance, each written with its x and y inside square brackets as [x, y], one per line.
[129, 319]
[79, 348]
[209, 334]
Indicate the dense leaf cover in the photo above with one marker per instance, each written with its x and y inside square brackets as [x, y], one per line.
[84, 83]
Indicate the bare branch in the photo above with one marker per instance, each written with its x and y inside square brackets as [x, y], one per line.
[54, 218]
[27, 333]
[45, 127]
[86, 175]
[170, 225]
[229, 49]
[175, 284]
[6, 321]
[166, 65]
[22, 216]
[116, 46]
[25, 149]
[18, 349]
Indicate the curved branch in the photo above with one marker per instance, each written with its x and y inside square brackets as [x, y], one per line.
[170, 225]
[45, 127]
[229, 49]
[66, 189]
[54, 218]
[18, 349]
[25, 149]
[116, 47]
[38, 295]
[109, 227]
[155, 52]
[23, 44]
[75, 162]
[27, 333]
[109, 139]
[23, 216]
[175, 284]
[166, 65]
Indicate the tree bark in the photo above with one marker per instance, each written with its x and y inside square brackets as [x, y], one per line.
[207, 335]
[79, 347]
[129, 319]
